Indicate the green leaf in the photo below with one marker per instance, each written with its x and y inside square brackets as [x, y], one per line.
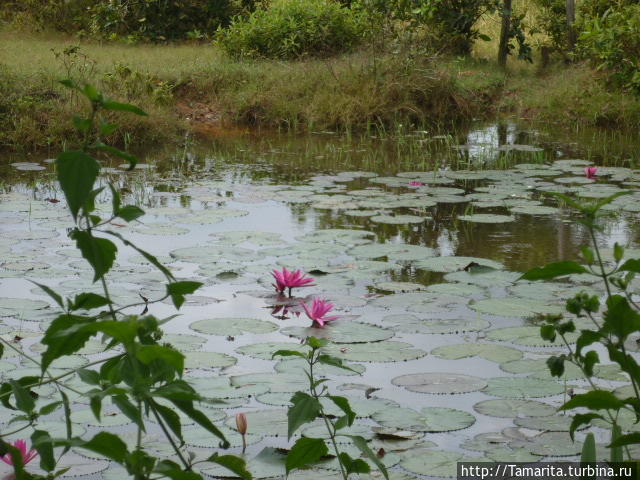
[586, 338]
[130, 213]
[553, 270]
[24, 401]
[123, 107]
[336, 362]
[132, 159]
[95, 403]
[353, 466]
[178, 290]
[171, 418]
[556, 365]
[67, 82]
[91, 93]
[57, 298]
[622, 440]
[289, 353]
[588, 255]
[632, 265]
[305, 409]
[115, 199]
[99, 252]
[148, 353]
[77, 172]
[594, 400]
[199, 417]
[129, 409]
[81, 124]
[618, 252]
[107, 128]
[582, 419]
[361, 443]
[343, 404]
[108, 445]
[173, 471]
[588, 452]
[176, 390]
[67, 417]
[548, 333]
[42, 442]
[620, 319]
[49, 408]
[589, 361]
[304, 452]
[236, 464]
[316, 343]
[88, 300]
[616, 452]
[90, 377]
[150, 258]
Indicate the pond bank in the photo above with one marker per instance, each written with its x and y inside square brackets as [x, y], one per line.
[195, 87]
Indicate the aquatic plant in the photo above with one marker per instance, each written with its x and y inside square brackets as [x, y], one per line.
[307, 407]
[615, 329]
[318, 311]
[141, 376]
[21, 446]
[590, 172]
[242, 425]
[286, 279]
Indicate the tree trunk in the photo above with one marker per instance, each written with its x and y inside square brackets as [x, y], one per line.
[571, 20]
[505, 33]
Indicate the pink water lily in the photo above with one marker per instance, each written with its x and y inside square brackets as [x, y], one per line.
[319, 308]
[26, 456]
[415, 183]
[286, 279]
[590, 172]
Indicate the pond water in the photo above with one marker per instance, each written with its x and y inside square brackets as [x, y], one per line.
[417, 239]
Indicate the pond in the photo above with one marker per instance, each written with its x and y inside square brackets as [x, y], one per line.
[417, 239]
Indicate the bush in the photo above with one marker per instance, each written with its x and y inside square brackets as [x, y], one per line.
[613, 43]
[61, 15]
[293, 29]
[159, 20]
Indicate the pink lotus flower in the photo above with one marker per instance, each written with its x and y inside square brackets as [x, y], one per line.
[415, 183]
[590, 172]
[287, 279]
[319, 308]
[26, 456]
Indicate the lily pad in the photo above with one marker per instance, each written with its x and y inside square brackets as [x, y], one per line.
[522, 387]
[513, 408]
[554, 444]
[208, 360]
[384, 351]
[486, 218]
[342, 331]
[439, 383]
[526, 336]
[408, 323]
[494, 353]
[265, 351]
[429, 419]
[515, 307]
[451, 264]
[232, 326]
[436, 463]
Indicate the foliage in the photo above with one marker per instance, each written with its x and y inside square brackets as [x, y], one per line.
[291, 29]
[307, 407]
[60, 15]
[141, 376]
[613, 329]
[551, 19]
[613, 43]
[159, 20]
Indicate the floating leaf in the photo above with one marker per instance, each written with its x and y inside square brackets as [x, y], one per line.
[494, 353]
[512, 408]
[522, 387]
[439, 383]
[232, 326]
[342, 331]
[429, 419]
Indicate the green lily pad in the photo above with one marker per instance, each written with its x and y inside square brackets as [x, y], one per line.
[486, 218]
[393, 251]
[267, 423]
[436, 463]
[429, 419]
[513, 408]
[199, 437]
[265, 351]
[276, 382]
[384, 351]
[208, 360]
[439, 383]
[232, 326]
[398, 219]
[515, 307]
[535, 210]
[522, 387]
[553, 444]
[494, 353]
[110, 417]
[341, 331]
[451, 264]
[407, 323]
[399, 287]
[268, 463]
[296, 365]
[552, 423]
[538, 367]
[526, 336]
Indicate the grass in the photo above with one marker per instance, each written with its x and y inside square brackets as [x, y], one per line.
[197, 85]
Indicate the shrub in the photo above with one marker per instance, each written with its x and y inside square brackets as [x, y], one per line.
[293, 29]
[613, 43]
[60, 15]
[158, 19]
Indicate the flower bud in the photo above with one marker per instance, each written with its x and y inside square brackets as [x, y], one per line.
[241, 423]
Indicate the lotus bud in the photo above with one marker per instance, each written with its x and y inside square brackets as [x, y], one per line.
[241, 423]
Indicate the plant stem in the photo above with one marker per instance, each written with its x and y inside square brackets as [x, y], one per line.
[168, 435]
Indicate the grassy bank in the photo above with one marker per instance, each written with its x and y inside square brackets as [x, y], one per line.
[196, 86]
